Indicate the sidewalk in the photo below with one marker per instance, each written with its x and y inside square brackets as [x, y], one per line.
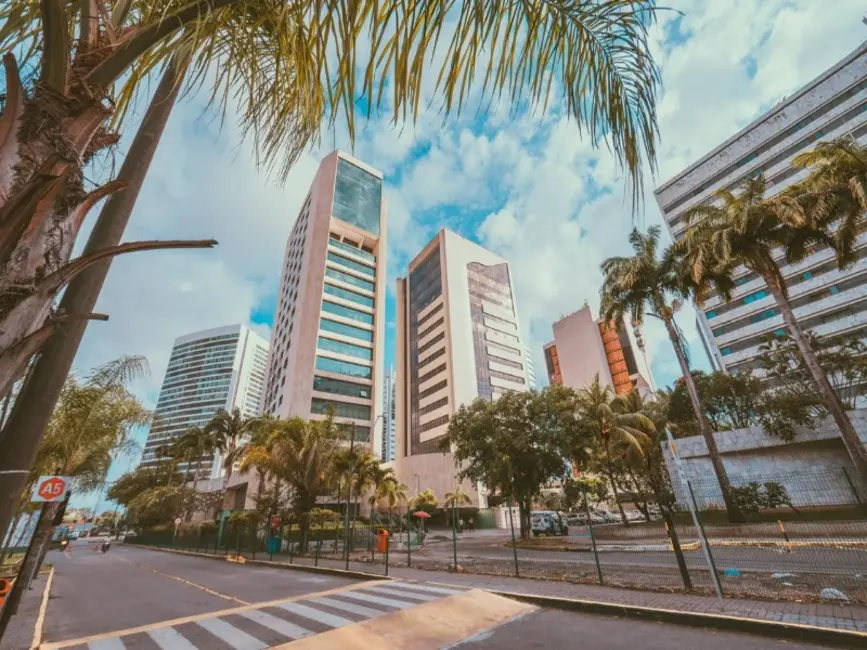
[19, 634]
[824, 615]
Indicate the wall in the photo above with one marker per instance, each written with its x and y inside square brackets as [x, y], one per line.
[810, 467]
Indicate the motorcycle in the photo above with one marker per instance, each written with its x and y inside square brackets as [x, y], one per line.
[105, 546]
[64, 544]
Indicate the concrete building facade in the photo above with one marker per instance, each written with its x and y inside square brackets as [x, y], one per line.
[389, 433]
[221, 368]
[828, 301]
[585, 347]
[329, 323]
[458, 338]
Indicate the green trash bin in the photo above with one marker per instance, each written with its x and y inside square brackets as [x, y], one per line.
[274, 545]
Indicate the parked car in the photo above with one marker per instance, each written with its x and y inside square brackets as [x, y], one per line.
[575, 518]
[608, 517]
[634, 515]
[549, 524]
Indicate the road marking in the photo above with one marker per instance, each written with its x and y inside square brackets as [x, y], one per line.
[169, 638]
[377, 600]
[434, 590]
[343, 590]
[277, 624]
[107, 644]
[207, 590]
[236, 638]
[43, 608]
[348, 607]
[403, 593]
[316, 615]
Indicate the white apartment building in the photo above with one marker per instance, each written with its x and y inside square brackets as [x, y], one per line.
[827, 301]
[329, 324]
[388, 428]
[458, 338]
[220, 368]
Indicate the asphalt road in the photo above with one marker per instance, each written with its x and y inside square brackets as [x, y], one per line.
[556, 629]
[94, 593]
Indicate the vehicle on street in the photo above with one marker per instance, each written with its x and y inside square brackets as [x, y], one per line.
[608, 517]
[634, 515]
[549, 524]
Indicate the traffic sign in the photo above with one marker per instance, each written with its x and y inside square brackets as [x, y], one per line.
[275, 521]
[50, 488]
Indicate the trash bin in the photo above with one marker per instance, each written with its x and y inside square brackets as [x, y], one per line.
[382, 541]
[274, 545]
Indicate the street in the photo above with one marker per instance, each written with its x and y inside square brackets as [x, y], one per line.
[132, 598]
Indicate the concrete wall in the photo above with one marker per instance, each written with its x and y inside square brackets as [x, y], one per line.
[810, 467]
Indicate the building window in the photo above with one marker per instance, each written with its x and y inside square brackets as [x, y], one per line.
[350, 279]
[433, 373]
[345, 348]
[345, 330]
[719, 331]
[343, 367]
[758, 295]
[711, 314]
[349, 248]
[780, 332]
[834, 289]
[726, 351]
[765, 315]
[433, 389]
[350, 264]
[433, 406]
[357, 197]
[433, 424]
[427, 346]
[347, 312]
[435, 355]
[362, 434]
[338, 387]
[349, 295]
[430, 329]
[808, 275]
[341, 410]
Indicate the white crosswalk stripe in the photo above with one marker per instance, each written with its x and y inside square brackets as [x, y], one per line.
[277, 624]
[402, 593]
[107, 644]
[236, 638]
[348, 607]
[378, 600]
[168, 638]
[434, 590]
[331, 620]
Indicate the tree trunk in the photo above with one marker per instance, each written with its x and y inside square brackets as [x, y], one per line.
[830, 399]
[675, 544]
[732, 509]
[40, 536]
[34, 405]
[610, 472]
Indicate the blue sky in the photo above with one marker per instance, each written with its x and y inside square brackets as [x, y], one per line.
[528, 187]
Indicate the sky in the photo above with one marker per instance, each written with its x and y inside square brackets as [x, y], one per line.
[528, 187]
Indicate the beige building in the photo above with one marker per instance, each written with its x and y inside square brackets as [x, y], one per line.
[584, 347]
[329, 325]
[458, 338]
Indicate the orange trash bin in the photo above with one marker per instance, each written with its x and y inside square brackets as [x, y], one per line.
[5, 588]
[382, 541]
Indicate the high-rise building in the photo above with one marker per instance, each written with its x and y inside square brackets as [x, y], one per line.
[531, 368]
[388, 430]
[221, 368]
[329, 324]
[458, 338]
[826, 300]
[585, 347]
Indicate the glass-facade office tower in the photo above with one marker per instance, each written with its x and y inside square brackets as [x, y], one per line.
[458, 338]
[329, 323]
[221, 368]
[827, 301]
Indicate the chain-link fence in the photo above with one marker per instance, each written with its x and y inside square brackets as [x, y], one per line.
[800, 537]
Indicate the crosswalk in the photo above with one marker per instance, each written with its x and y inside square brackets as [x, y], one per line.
[257, 627]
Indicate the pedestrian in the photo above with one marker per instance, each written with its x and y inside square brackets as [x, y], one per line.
[472, 523]
[461, 525]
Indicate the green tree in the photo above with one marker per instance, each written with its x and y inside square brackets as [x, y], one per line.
[616, 429]
[649, 283]
[454, 500]
[130, 485]
[228, 430]
[730, 402]
[426, 501]
[514, 444]
[393, 493]
[90, 58]
[748, 229]
[194, 445]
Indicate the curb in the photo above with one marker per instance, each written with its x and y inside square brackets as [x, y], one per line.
[774, 629]
[363, 575]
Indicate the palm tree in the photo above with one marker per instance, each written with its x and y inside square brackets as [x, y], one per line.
[277, 63]
[378, 476]
[648, 284]
[393, 493]
[455, 499]
[748, 229]
[194, 444]
[616, 430]
[228, 429]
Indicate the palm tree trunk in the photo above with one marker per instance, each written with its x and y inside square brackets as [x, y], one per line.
[732, 509]
[830, 399]
[20, 438]
[610, 472]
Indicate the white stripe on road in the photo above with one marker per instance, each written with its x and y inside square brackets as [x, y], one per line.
[316, 615]
[348, 607]
[236, 638]
[277, 624]
[434, 590]
[107, 644]
[402, 593]
[168, 638]
[377, 600]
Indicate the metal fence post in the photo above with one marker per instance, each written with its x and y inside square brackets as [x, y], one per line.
[514, 546]
[705, 545]
[855, 492]
[387, 544]
[455, 534]
[592, 537]
[408, 544]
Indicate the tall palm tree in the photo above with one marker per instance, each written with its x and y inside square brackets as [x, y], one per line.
[393, 493]
[194, 444]
[617, 430]
[455, 499]
[652, 284]
[229, 429]
[276, 61]
[748, 229]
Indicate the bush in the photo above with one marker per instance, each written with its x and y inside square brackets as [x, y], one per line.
[755, 496]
